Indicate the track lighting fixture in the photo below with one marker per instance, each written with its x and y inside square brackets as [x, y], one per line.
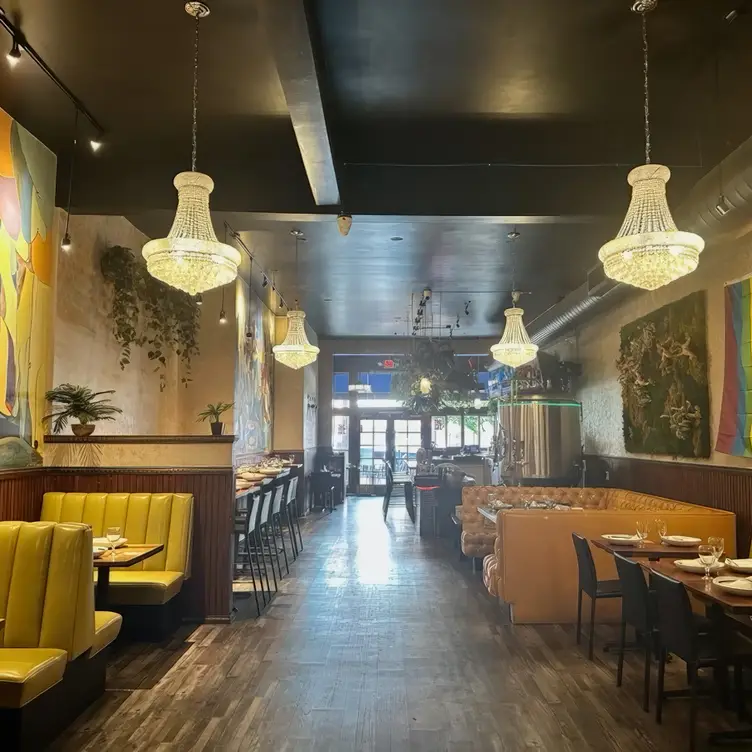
[265, 282]
[14, 54]
[222, 317]
[199, 299]
[723, 207]
[67, 244]
[96, 143]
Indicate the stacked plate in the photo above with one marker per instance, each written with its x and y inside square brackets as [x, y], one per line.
[696, 566]
[740, 565]
[680, 540]
[734, 585]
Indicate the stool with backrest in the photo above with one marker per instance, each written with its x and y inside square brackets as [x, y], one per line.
[285, 517]
[388, 489]
[681, 636]
[293, 521]
[252, 536]
[279, 495]
[591, 586]
[265, 517]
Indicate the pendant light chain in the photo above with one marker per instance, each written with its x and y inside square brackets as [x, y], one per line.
[194, 133]
[646, 85]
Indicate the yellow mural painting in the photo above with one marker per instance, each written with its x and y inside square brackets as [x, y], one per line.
[27, 268]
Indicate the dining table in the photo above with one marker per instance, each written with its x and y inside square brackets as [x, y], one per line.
[724, 609]
[489, 514]
[125, 556]
[650, 550]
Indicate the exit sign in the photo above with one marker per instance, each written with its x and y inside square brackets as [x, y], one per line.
[388, 364]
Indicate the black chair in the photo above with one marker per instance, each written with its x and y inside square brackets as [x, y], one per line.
[681, 636]
[280, 493]
[322, 489]
[292, 515]
[388, 489]
[264, 525]
[637, 610]
[591, 586]
[252, 536]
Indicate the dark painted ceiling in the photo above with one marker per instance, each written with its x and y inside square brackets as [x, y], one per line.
[426, 117]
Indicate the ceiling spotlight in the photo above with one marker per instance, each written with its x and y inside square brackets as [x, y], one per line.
[14, 55]
[396, 239]
[427, 293]
[96, 143]
[513, 235]
[222, 317]
[67, 244]
[344, 223]
[281, 302]
[723, 207]
[297, 233]
[199, 299]
[265, 282]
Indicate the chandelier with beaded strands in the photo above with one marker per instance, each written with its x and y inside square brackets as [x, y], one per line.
[649, 251]
[295, 351]
[515, 348]
[190, 257]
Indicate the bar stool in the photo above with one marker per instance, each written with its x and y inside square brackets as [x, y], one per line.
[292, 515]
[591, 586]
[252, 534]
[279, 495]
[264, 520]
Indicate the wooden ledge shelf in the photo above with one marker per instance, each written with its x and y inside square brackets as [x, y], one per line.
[128, 439]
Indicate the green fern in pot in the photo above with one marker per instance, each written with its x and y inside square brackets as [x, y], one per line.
[214, 414]
[82, 404]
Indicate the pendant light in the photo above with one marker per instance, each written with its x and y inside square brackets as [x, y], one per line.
[67, 244]
[296, 351]
[514, 348]
[190, 257]
[649, 250]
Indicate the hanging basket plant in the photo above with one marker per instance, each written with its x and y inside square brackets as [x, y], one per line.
[150, 314]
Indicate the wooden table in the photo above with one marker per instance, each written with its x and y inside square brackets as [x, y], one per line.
[650, 551]
[126, 556]
[489, 514]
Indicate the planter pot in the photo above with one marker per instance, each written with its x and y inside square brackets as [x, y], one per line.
[217, 429]
[79, 429]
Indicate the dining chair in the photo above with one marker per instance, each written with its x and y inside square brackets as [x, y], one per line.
[252, 535]
[291, 516]
[279, 495]
[637, 611]
[264, 520]
[680, 636]
[590, 585]
[388, 489]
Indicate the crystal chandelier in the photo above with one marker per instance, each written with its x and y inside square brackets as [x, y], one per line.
[649, 250]
[190, 257]
[296, 351]
[515, 348]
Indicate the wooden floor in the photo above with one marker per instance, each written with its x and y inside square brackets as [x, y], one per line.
[379, 640]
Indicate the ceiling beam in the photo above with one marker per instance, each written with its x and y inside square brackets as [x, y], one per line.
[290, 38]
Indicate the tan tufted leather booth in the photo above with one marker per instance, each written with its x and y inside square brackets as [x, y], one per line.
[533, 567]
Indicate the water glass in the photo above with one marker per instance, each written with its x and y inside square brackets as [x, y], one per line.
[113, 536]
[642, 531]
[707, 558]
[661, 528]
[718, 545]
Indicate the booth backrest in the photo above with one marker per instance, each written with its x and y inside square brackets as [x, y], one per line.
[46, 593]
[165, 518]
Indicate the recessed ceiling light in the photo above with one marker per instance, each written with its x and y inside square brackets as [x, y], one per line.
[396, 238]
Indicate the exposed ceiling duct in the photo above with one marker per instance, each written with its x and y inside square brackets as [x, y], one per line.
[719, 208]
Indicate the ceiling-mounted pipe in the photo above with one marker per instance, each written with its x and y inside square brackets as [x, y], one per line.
[718, 208]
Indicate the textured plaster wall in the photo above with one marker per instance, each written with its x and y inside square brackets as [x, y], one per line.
[85, 351]
[597, 348]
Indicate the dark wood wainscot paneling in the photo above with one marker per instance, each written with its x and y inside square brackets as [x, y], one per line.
[726, 488]
[208, 593]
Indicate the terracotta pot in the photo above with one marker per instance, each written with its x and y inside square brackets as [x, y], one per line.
[217, 429]
[80, 429]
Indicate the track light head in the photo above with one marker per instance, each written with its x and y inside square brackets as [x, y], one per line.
[723, 207]
[222, 317]
[67, 244]
[14, 54]
[199, 299]
[265, 282]
[427, 293]
[96, 143]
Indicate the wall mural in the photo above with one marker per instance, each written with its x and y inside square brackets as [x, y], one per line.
[253, 376]
[663, 372]
[27, 267]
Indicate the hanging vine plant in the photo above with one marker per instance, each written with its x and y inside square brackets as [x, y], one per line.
[148, 313]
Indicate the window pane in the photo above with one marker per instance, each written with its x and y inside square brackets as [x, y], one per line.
[454, 431]
[366, 426]
[379, 425]
[400, 426]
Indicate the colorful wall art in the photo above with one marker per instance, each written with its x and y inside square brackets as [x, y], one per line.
[663, 372]
[27, 271]
[253, 376]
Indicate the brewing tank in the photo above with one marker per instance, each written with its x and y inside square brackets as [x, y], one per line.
[540, 440]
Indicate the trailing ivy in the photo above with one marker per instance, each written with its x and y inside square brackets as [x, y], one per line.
[148, 313]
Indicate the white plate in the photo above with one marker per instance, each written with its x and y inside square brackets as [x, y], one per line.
[695, 565]
[98, 551]
[623, 538]
[104, 543]
[680, 540]
[735, 585]
[740, 565]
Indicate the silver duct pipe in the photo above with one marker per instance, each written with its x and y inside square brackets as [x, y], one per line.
[719, 208]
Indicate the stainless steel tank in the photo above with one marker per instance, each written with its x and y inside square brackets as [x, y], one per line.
[540, 440]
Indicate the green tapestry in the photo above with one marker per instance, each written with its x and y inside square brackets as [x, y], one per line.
[663, 372]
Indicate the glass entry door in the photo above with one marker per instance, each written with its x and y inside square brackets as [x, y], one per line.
[385, 440]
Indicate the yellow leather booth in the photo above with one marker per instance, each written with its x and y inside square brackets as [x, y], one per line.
[50, 627]
[533, 568]
[165, 518]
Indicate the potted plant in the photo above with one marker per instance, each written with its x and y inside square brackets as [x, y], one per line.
[214, 412]
[81, 403]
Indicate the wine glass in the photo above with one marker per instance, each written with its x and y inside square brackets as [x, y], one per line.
[661, 528]
[642, 531]
[113, 536]
[717, 545]
[707, 558]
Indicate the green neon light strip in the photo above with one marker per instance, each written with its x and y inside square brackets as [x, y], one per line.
[547, 403]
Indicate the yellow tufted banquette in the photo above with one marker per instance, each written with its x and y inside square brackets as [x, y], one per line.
[533, 567]
[165, 518]
[47, 601]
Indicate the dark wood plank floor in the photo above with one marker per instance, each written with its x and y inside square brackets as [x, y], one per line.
[378, 641]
